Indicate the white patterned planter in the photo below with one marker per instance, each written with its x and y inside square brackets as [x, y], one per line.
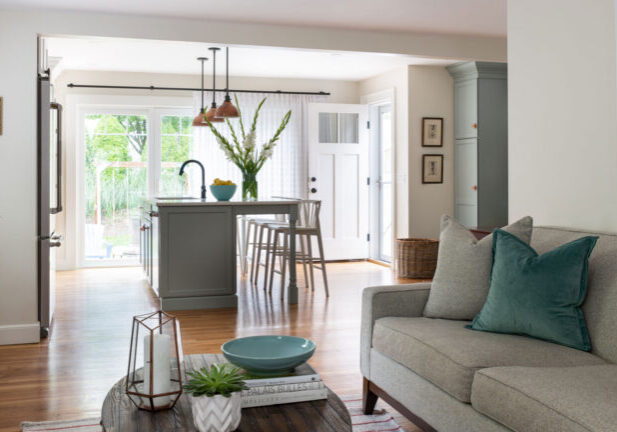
[217, 413]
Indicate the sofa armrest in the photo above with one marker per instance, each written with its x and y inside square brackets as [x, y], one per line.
[388, 301]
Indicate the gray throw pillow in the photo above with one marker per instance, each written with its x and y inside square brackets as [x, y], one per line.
[462, 277]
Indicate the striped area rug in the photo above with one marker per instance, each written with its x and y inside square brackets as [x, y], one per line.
[83, 425]
[381, 421]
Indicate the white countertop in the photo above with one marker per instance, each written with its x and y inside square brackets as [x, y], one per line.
[181, 202]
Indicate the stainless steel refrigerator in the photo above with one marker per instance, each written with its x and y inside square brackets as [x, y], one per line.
[49, 198]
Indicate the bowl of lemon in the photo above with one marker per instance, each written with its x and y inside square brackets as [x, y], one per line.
[223, 190]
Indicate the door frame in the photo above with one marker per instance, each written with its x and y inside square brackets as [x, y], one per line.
[74, 152]
[374, 102]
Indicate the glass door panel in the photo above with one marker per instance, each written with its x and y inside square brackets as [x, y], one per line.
[338, 128]
[116, 180]
[176, 147]
[385, 183]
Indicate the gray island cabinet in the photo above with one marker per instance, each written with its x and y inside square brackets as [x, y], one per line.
[188, 250]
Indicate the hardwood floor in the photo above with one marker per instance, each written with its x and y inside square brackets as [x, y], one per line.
[68, 375]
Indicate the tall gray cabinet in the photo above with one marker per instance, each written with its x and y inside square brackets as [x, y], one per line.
[481, 143]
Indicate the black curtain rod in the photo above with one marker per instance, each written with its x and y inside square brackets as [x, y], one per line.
[71, 85]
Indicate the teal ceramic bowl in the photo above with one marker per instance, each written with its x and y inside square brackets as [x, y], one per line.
[223, 192]
[268, 355]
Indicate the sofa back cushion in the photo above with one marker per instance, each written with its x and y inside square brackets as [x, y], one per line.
[600, 306]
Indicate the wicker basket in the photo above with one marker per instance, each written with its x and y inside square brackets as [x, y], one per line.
[417, 258]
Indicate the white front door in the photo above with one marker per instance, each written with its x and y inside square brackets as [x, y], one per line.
[338, 176]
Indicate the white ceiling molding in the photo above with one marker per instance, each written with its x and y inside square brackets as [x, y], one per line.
[469, 17]
[134, 55]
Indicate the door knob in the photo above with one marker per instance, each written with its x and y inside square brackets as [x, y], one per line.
[313, 190]
[313, 179]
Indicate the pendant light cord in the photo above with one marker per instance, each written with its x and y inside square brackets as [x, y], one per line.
[202, 85]
[227, 72]
[214, 77]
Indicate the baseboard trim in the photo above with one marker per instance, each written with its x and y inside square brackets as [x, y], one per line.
[379, 262]
[20, 334]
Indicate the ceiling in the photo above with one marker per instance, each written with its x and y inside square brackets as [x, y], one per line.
[137, 55]
[470, 17]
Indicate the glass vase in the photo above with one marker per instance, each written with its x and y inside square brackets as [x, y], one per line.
[249, 187]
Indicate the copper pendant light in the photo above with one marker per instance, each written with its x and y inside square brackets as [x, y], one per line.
[199, 118]
[211, 114]
[227, 109]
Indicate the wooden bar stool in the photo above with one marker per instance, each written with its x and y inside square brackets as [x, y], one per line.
[262, 241]
[308, 227]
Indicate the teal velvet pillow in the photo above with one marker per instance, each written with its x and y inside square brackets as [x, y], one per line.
[537, 295]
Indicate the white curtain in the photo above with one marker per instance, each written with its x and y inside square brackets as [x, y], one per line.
[285, 174]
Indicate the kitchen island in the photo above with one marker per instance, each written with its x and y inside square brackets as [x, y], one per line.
[189, 249]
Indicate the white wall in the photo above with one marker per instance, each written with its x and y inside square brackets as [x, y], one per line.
[66, 222]
[18, 33]
[18, 294]
[431, 94]
[562, 112]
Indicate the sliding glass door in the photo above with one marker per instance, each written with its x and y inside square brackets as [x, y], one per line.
[129, 155]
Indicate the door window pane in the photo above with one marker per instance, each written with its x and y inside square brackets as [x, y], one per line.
[348, 128]
[328, 127]
[176, 147]
[116, 157]
[338, 128]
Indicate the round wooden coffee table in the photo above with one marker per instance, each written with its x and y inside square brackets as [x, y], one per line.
[329, 415]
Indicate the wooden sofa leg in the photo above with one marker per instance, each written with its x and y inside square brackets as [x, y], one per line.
[369, 399]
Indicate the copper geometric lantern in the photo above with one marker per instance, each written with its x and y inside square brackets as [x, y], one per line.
[154, 378]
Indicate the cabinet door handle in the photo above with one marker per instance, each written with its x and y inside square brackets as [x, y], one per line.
[475, 125]
[313, 190]
[474, 187]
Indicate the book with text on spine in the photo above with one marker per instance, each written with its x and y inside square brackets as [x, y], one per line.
[284, 398]
[302, 374]
[283, 388]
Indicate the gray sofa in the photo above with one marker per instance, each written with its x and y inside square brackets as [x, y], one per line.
[445, 377]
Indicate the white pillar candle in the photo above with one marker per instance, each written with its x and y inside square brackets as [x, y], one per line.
[161, 372]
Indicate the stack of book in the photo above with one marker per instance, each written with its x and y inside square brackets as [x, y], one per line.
[304, 384]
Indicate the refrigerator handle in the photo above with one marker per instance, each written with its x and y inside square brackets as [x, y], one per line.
[56, 106]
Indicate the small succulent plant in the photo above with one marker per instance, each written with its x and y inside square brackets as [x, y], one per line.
[218, 380]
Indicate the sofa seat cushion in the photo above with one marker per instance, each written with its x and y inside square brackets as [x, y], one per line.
[447, 354]
[561, 399]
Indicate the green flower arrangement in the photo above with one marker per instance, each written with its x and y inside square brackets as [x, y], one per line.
[244, 152]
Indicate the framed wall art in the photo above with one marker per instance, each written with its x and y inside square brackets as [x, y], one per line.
[432, 169]
[432, 132]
